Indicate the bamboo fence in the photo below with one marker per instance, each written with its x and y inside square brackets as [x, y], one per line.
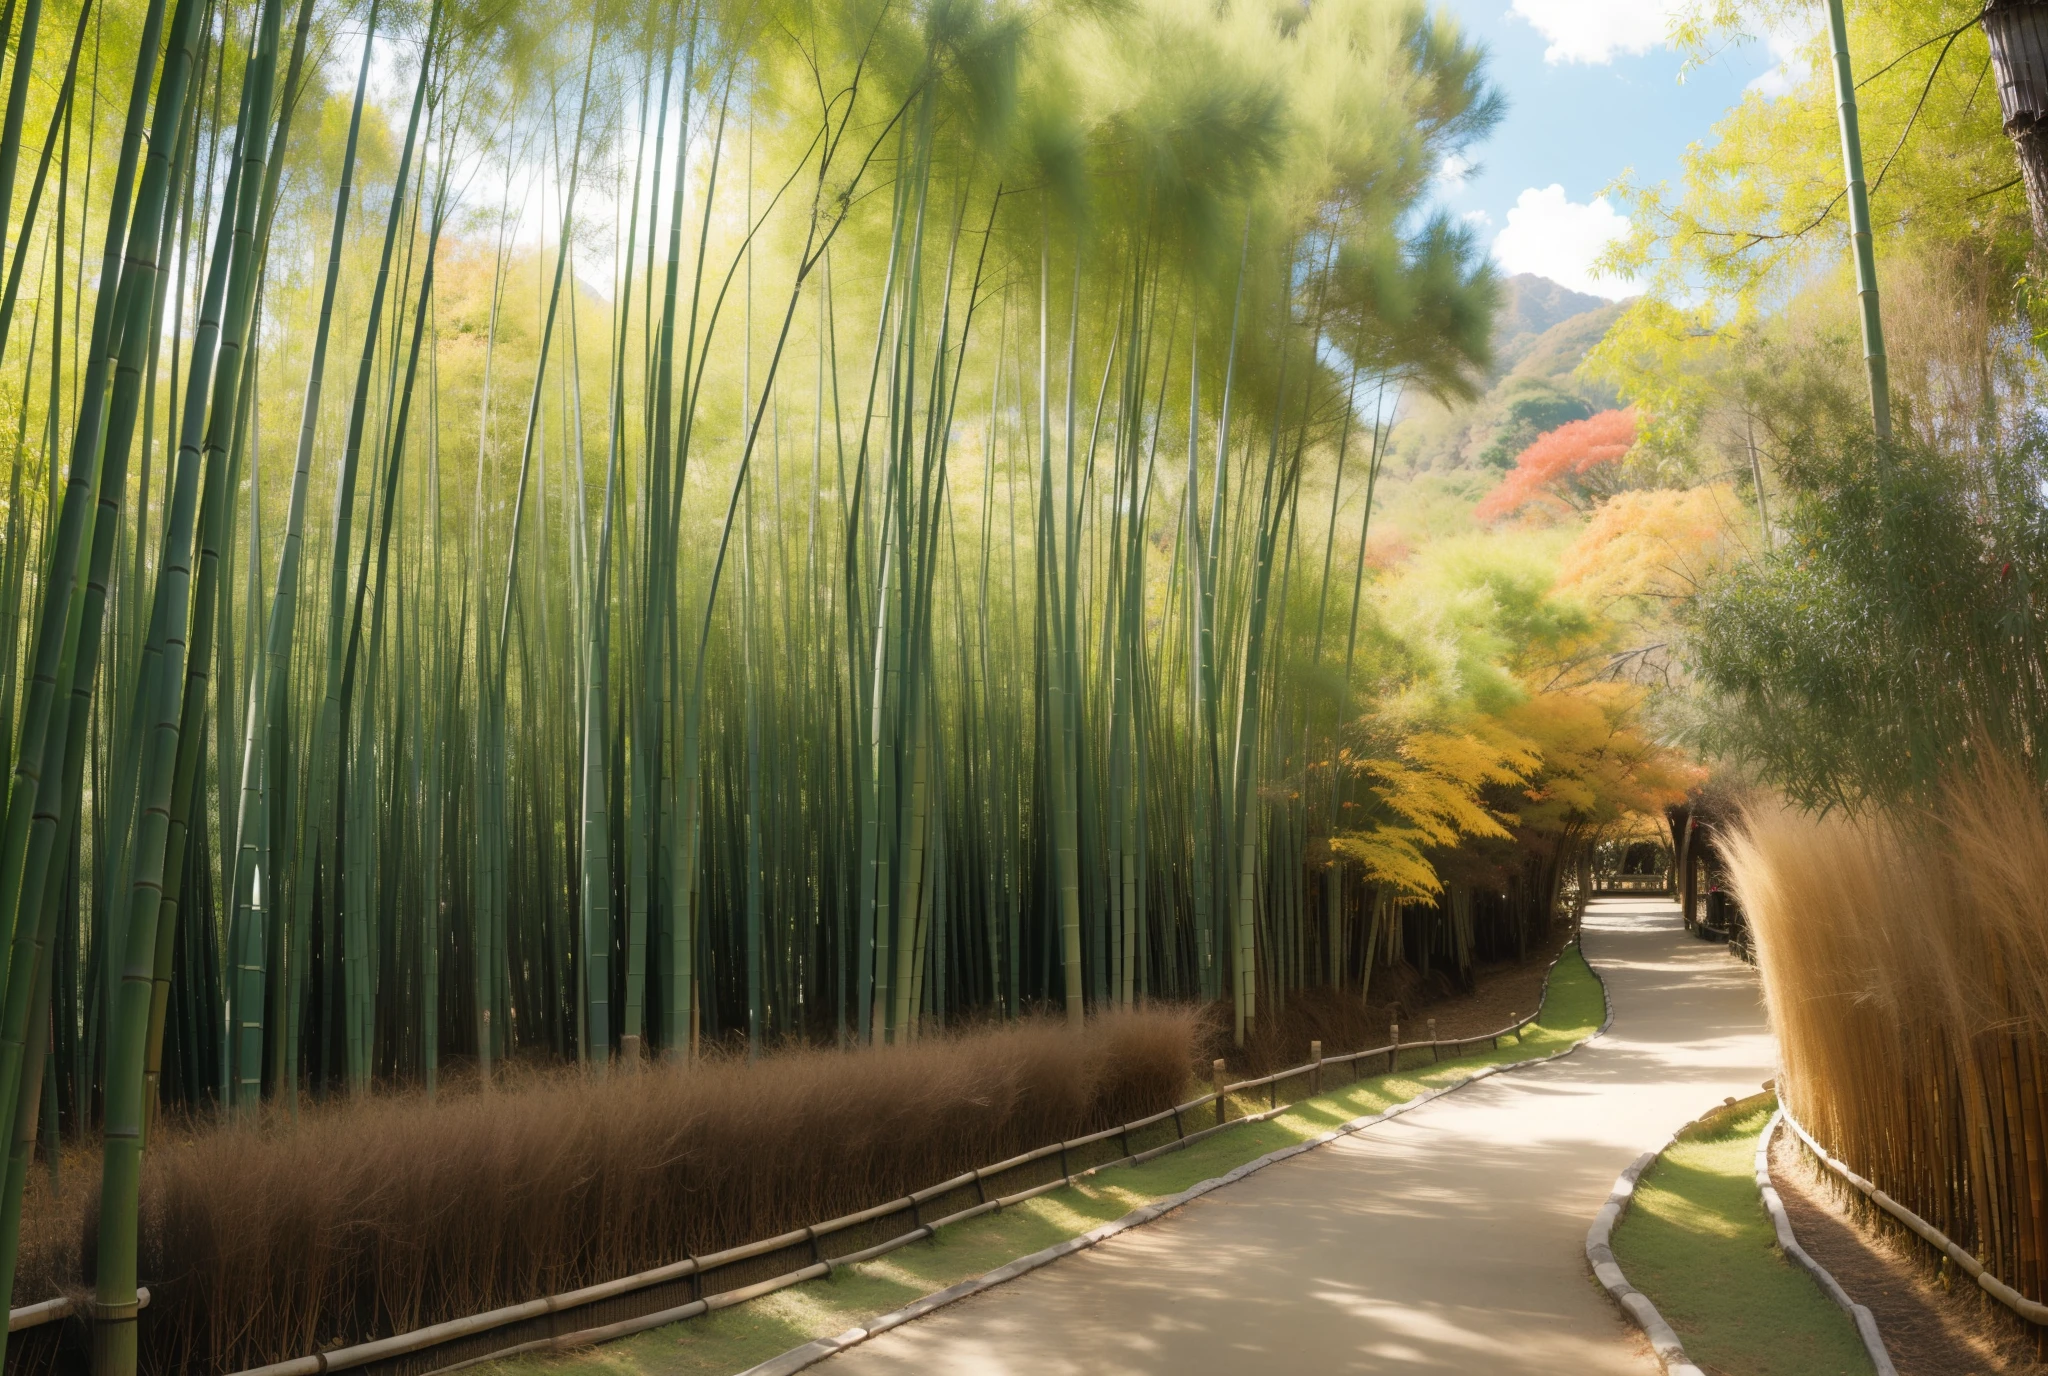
[1906, 969]
[693, 1286]
[2033, 1311]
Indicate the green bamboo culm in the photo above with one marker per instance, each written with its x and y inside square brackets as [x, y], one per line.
[50, 746]
[114, 1312]
[17, 107]
[318, 844]
[258, 1020]
[227, 429]
[1005, 709]
[29, 1096]
[1863, 245]
[55, 760]
[39, 750]
[599, 976]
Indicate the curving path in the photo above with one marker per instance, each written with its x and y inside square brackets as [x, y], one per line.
[1448, 1240]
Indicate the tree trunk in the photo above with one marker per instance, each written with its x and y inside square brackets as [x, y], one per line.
[2018, 31]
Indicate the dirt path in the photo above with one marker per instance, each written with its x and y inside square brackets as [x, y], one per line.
[1929, 1332]
[1449, 1240]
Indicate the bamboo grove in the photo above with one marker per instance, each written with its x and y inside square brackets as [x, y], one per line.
[584, 533]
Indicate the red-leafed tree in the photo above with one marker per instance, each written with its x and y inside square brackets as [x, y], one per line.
[1556, 467]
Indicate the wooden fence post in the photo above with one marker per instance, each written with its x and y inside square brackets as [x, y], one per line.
[1434, 1055]
[1394, 1047]
[1216, 1078]
[1315, 1078]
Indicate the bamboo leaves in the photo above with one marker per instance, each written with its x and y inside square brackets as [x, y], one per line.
[997, 707]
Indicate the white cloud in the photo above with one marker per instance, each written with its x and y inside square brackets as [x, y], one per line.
[1789, 43]
[1453, 171]
[1598, 30]
[1553, 237]
[1478, 219]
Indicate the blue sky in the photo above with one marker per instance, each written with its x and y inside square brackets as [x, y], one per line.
[1593, 92]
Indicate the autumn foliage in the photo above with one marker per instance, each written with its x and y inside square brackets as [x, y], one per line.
[1502, 736]
[1548, 467]
[1556, 767]
[1432, 791]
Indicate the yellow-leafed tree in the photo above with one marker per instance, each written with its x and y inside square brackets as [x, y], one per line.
[1432, 792]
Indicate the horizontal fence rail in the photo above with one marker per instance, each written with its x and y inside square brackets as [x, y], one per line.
[2033, 1311]
[54, 1311]
[698, 1285]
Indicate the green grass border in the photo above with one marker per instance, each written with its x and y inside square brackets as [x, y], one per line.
[731, 1340]
[1698, 1242]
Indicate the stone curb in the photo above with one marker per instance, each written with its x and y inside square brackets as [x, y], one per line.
[1600, 1256]
[1788, 1243]
[811, 1353]
[2031, 1310]
[1663, 1339]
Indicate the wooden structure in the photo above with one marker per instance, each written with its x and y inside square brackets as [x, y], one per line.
[1645, 867]
[2018, 34]
[1711, 910]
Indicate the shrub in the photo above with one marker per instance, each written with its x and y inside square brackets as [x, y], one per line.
[270, 1240]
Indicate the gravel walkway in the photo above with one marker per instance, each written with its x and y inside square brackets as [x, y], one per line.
[1449, 1240]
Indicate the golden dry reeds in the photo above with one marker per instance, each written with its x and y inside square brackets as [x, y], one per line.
[1905, 962]
[275, 1240]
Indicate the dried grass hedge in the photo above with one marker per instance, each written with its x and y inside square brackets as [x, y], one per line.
[378, 1216]
[1905, 960]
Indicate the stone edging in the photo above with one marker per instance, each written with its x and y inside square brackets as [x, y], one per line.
[1599, 1255]
[1788, 1243]
[2031, 1310]
[1663, 1339]
[811, 1353]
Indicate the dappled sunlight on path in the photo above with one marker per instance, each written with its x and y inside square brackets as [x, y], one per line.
[1448, 1240]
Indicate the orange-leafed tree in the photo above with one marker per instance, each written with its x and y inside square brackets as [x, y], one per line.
[1565, 467]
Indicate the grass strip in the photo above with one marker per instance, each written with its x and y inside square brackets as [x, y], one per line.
[1698, 1242]
[733, 1339]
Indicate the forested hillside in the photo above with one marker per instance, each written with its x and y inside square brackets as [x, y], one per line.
[1533, 384]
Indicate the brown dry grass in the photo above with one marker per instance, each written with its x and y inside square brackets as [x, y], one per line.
[1279, 1039]
[274, 1240]
[1905, 962]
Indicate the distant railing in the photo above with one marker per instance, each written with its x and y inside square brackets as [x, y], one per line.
[679, 1290]
[1632, 883]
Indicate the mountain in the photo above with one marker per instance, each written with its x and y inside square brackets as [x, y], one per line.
[1534, 305]
[1557, 352]
[1541, 335]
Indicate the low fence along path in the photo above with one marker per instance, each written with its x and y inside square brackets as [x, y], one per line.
[1448, 1240]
